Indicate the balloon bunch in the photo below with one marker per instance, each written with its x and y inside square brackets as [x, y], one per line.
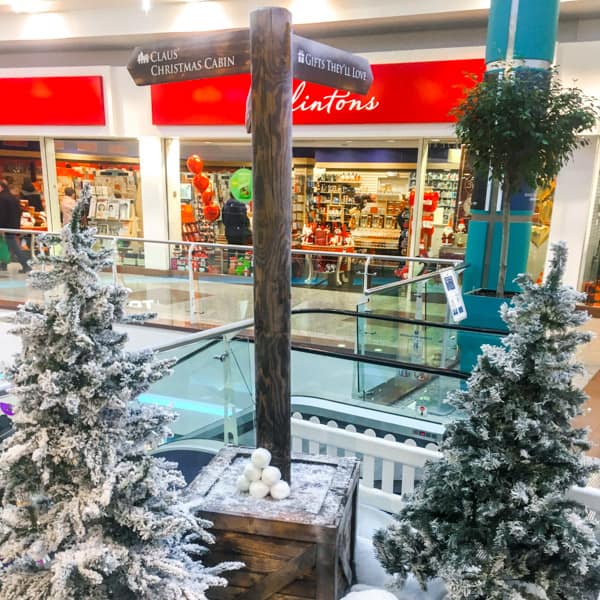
[202, 183]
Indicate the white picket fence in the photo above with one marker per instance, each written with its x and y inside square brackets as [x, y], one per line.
[384, 461]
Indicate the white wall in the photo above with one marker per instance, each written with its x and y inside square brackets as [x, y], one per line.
[579, 65]
[575, 188]
[154, 206]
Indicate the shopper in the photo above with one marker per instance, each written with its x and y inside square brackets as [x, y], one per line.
[67, 204]
[237, 224]
[10, 218]
[32, 195]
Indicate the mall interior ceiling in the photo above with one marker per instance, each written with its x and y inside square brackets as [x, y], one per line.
[38, 33]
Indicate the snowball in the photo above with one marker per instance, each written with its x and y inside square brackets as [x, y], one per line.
[270, 475]
[258, 489]
[243, 485]
[260, 458]
[251, 473]
[280, 490]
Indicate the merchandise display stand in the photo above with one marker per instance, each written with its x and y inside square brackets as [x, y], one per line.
[343, 264]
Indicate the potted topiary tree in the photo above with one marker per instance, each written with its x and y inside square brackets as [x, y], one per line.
[520, 127]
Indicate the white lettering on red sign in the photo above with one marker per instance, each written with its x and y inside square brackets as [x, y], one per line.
[335, 101]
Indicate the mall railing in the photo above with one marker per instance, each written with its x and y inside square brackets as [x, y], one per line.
[200, 264]
[217, 398]
[393, 442]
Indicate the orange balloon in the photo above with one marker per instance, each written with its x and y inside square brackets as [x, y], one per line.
[195, 164]
[207, 197]
[211, 212]
[200, 182]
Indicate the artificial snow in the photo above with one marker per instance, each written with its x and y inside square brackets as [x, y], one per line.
[361, 593]
[373, 582]
[310, 483]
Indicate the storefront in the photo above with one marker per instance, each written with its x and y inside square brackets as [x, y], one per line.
[381, 173]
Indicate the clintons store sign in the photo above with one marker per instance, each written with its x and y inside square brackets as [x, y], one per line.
[421, 92]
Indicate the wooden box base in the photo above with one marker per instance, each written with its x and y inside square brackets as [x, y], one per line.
[296, 549]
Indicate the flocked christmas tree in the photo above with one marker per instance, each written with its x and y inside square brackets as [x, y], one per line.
[85, 512]
[492, 518]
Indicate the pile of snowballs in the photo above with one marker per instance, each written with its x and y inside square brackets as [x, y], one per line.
[260, 479]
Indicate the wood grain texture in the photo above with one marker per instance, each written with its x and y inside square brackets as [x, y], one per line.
[271, 124]
[297, 555]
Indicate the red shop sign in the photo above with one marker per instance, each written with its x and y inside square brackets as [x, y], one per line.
[421, 92]
[52, 101]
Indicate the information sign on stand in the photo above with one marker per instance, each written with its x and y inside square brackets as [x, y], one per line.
[456, 304]
[274, 55]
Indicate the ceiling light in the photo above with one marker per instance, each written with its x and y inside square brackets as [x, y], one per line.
[146, 5]
[30, 6]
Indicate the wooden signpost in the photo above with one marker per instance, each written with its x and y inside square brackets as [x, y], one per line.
[273, 54]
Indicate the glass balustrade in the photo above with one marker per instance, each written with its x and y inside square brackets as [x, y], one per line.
[212, 388]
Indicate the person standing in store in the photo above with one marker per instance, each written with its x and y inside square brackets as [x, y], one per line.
[10, 218]
[236, 222]
[33, 197]
[67, 204]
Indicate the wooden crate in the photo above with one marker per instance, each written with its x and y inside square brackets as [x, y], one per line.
[291, 552]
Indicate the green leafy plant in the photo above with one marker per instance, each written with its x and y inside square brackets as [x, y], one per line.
[521, 127]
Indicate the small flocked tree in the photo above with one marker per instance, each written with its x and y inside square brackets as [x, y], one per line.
[85, 512]
[491, 518]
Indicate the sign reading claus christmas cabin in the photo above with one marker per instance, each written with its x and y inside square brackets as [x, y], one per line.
[207, 55]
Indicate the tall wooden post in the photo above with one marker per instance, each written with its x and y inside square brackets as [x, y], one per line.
[271, 107]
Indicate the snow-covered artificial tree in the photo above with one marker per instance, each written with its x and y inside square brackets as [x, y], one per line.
[491, 518]
[86, 513]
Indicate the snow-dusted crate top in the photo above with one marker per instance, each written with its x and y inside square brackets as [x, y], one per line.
[299, 547]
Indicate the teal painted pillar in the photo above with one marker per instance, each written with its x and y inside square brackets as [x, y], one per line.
[521, 32]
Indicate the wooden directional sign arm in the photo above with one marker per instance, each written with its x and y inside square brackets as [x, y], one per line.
[320, 63]
[208, 55]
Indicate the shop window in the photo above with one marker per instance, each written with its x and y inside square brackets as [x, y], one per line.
[201, 208]
[540, 231]
[21, 166]
[360, 198]
[444, 202]
[112, 170]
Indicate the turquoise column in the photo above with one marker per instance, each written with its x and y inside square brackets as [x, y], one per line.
[521, 32]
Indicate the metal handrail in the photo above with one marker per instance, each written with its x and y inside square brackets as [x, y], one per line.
[458, 266]
[294, 251]
[301, 347]
[398, 319]
[198, 336]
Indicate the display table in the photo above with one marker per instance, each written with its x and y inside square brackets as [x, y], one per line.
[340, 274]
